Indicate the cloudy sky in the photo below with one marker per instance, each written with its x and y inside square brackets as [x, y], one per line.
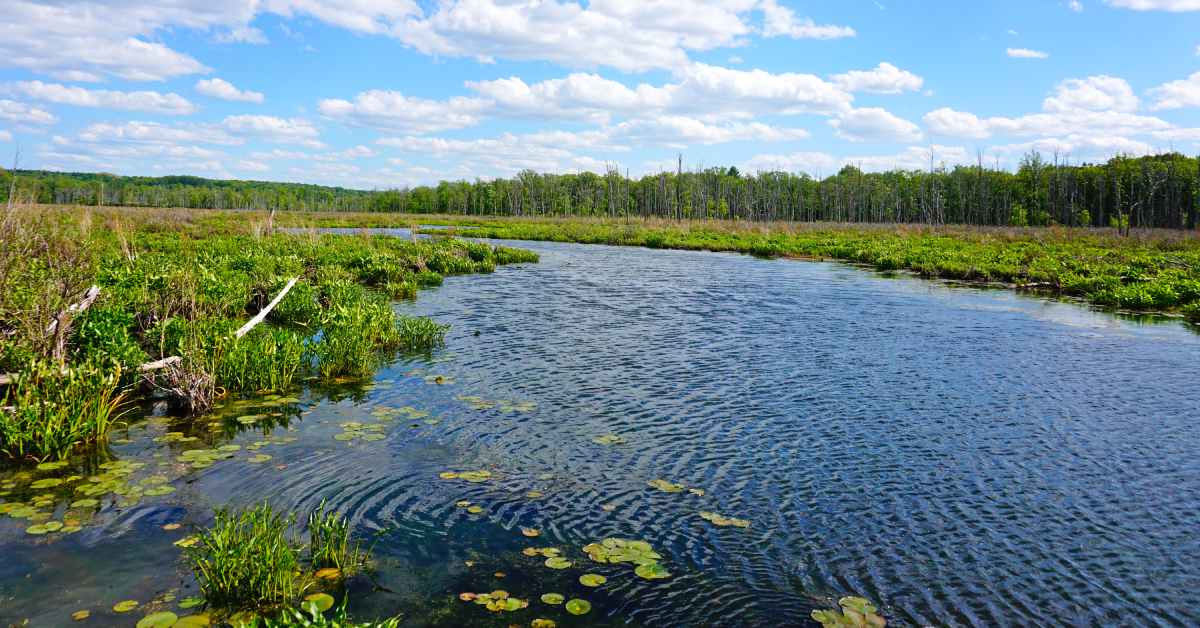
[385, 93]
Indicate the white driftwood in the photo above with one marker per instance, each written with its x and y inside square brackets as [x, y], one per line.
[89, 298]
[159, 364]
[245, 329]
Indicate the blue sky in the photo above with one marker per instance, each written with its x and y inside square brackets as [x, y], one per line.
[391, 93]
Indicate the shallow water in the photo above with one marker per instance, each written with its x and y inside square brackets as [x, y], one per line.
[960, 456]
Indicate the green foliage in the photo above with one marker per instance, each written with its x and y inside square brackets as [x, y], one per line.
[1019, 216]
[56, 409]
[329, 542]
[855, 612]
[312, 618]
[246, 559]
[106, 333]
[266, 359]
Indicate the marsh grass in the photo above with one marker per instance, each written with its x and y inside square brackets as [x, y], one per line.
[50, 410]
[311, 618]
[247, 560]
[329, 542]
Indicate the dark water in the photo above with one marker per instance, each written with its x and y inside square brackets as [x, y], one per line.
[961, 457]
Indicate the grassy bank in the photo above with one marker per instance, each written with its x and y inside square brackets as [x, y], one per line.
[1146, 271]
[180, 286]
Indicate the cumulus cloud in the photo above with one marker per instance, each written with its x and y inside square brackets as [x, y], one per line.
[948, 122]
[883, 79]
[393, 111]
[296, 131]
[1176, 6]
[779, 21]
[874, 124]
[1026, 53]
[1177, 94]
[219, 88]
[819, 163]
[145, 101]
[14, 111]
[1095, 93]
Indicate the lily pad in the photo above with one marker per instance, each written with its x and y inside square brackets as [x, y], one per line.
[475, 509]
[162, 619]
[723, 521]
[609, 439]
[193, 621]
[557, 562]
[159, 491]
[592, 580]
[81, 615]
[553, 598]
[665, 486]
[125, 606]
[652, 571]
[85, 503]
[579, 607]
[190, 602]
[258, 459]
[321, 601]
[543, 623]
[531, 532]
[329, 573]
[51, 466]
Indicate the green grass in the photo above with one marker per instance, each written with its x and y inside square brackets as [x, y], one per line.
[246, 560]
[179, 285]
[50, 410]
[329, 544]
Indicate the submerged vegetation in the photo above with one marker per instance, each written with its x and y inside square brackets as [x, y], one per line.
[95, 305]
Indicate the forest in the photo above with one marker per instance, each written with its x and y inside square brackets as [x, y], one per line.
[1157, 191]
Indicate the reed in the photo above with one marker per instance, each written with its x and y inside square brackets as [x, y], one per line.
[247, 560]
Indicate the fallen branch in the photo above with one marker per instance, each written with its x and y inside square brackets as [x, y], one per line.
[89, 298]
[159, 364]
[245, 329]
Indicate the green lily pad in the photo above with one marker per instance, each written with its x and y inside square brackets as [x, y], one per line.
[322, 601]
[81, 615]
[159, 491]
[474, 509]
[258, 459]
[557, 562]
[609, 439]
[193, 621]
[579, 607]
[162, 619]
[125, 607]
[553, 598]
[190, 602]
[51, 466]
[592, 580]
[85, 503]
[652, 571]
[665, 486]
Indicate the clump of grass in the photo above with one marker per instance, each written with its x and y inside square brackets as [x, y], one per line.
[418, 333]
[267, 358]
[312, 618]
[49, 409]
[246, 559]
[329, 542]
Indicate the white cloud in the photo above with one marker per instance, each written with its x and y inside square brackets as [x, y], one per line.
[242, 35]
[219, 88]
[296, 131]
[1079, 146]
[155, 133]
[883, 79]
[253, 166]
[146, 101]
[680, 132]
[1177, 94]
[14, 111]
[505, 155]
[824, 164]
[5, 136]
[394, 111]
[1177, 6]
[1075, 5]
[782, 21]
[874, 124]
[948, 122]
[1095, 93]
[1026, 53]
[77, 76]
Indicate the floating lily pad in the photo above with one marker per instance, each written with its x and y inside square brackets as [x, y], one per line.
[652, 571]
[579, 607]
[51, 466]
[553, 598]
[448, 475]
[543, 623]
[193, 621]
[592, 580]
[723, 521]
[475, 509]
[159, 491]
[258, 459]
[85, 503]
[557, 562]
[162, 619]
[190, 602]
[44, 528]
[187, 541]
[46, 483]
[81, 615]
[609, 439]
[329, 573]
[534, 494]
[531, 532]
[125, 607]
[855, 611]
[171, 526]
[321, 601]
[665, 486]
[462, 504]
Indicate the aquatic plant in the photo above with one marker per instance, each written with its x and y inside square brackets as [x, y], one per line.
[855, 612]
[49, 410]
[246, 559]
[329, 543]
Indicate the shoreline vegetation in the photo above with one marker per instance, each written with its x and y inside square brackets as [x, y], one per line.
[1148, 271]
[102, 308]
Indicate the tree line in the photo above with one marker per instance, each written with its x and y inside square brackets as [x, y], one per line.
[1159, 191]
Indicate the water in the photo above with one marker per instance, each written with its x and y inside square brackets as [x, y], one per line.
[960, 456]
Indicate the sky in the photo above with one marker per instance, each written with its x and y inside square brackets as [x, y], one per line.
[376, 94]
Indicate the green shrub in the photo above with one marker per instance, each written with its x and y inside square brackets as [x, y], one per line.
[105, 334]
[265, 359]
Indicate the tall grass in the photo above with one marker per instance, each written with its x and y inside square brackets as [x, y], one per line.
[329, 542]
[246, 560]
[50, 410]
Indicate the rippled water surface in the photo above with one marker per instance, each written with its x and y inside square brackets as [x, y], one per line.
[962, 457]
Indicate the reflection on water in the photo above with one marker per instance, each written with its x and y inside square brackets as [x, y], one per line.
[781, 433]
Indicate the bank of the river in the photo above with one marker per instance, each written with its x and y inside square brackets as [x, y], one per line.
[1152, 271]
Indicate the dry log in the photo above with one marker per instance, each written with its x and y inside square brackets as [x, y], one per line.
[89, 298]
[258, 318]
